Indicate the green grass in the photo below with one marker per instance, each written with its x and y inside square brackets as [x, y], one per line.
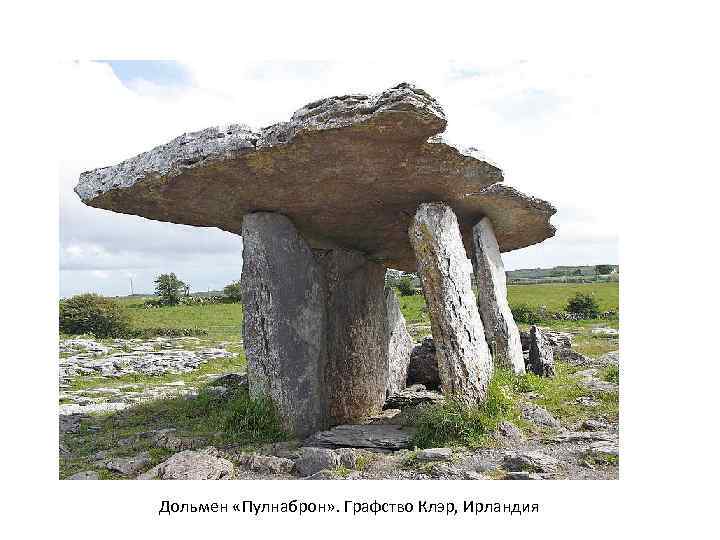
[611, 374]
[452, 423]
[236, 420]
[414, 308]
[223, 322]
[559, 394]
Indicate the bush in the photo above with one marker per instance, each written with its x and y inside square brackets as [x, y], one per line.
[454, 423]
[91, 313]
[163, 331]
[523, 313]
[584, 305]
[233, 291]
[405, 286]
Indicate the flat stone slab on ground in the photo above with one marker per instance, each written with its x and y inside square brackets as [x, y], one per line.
[381, 436]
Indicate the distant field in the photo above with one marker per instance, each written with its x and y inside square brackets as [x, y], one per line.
[222, 321]
[556, 295]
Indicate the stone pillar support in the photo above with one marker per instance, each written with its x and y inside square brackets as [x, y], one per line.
[464, 361]
[501, 332]
[284, 321]
[357, 335]
[316, 331]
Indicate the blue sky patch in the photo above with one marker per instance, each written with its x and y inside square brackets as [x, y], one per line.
[160, 72]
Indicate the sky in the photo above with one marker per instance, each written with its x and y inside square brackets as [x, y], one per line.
[540, 122]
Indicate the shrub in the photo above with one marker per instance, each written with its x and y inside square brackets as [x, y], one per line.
[233, 291]
[405, 286]
[454, 423]
[523, 313]
[163, 331]
[584, 305]
[91, 313]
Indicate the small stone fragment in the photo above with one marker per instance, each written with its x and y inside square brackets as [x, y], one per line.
[85, 475]
[530, 461]
[313, 460]
[129, 466]
[434, 454]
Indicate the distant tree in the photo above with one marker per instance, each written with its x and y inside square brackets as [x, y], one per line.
[406, 285]
[603, 269]
[577, 272]
[233, 291]
[169, 288]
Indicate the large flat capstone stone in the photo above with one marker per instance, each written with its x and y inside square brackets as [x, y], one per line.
[501, 332]
[381, 436]
[349, 171]
[463, 358]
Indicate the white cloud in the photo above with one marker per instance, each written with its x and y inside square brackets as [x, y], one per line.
[544, 124]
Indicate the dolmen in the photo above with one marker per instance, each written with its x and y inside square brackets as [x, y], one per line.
[326, 202]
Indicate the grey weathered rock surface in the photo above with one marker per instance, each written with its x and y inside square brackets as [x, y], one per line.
[356, 372]
[285, 321]
[400, 344]
[510, 431]
[349, 171]
[266, 464]
[85, 475]
[192, 465]
[129, 466]
[412, 396]
[434, 454]
[313, 460]
[541, 354]
[463, 357]
[531, 461]
[501, 332]
[381, 436]
[538, 415]
[423, 367]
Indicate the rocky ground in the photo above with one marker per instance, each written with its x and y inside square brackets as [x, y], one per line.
[567, 427]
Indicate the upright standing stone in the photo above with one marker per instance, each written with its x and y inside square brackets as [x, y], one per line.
[357, 335]
[541, 360]
[284, 323]
[400, 344]
[464, 361]
[501, 332]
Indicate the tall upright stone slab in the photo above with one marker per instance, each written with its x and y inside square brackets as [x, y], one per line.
[501, 332]
[464, 361]
[284, 322]
[400, 344]
[357, 335]
[541, 358]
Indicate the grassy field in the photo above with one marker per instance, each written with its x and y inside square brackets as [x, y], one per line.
[222, 321]
[556, 295]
